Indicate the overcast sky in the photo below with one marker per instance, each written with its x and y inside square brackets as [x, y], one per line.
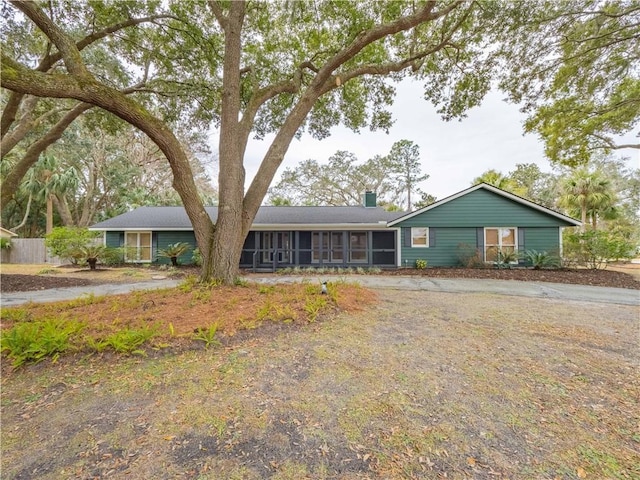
[452, 153]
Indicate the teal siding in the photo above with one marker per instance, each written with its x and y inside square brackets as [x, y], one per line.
[448, 241]
[482, 208]
[163, 239]
[456, 221]
[445, 253]
[543, 240]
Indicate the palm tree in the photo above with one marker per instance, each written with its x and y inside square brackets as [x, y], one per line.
[589, 195]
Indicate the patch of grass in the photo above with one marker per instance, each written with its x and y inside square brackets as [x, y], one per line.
[604, 465]
[132, 272]
[48, 271]
[313, 306]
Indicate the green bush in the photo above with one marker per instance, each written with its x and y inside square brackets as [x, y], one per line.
[207, 335]
[421, 264]
[505, 258]
[33, 341]
[5, 243]
[594, 248]
[112, 256]
[196, 258]
[68, 242]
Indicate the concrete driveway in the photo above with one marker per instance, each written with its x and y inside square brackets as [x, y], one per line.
[560, 291]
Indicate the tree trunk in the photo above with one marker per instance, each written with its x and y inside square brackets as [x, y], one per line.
[49, 224]
[92, 263]
[228, 238]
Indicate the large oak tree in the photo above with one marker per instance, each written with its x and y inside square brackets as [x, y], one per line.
[275, 68]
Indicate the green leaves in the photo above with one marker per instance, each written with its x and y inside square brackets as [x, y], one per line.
[574, 64]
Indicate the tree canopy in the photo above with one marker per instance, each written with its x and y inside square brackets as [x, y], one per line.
[343, 180]
[574, 66]
[258, 68]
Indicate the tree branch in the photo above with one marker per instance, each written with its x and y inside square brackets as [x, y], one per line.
[13, 103]
[217, 12]
[614, 146]
[16, 174]
[67, 48]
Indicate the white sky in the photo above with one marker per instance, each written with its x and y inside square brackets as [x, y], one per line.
[452, 153]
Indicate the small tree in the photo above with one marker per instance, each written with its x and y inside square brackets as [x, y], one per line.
[594, 248]
[173, 251]
[69, 242]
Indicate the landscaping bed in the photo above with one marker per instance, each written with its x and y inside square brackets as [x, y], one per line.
[66, 277]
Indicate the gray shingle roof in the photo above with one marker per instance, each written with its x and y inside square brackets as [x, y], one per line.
[157, 218]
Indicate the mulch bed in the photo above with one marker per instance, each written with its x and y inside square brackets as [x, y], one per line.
[28, 283]
[602, 278]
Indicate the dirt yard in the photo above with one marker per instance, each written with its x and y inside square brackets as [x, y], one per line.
[420, 385]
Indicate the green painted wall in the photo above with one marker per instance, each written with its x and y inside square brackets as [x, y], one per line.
[482, 208]
[456, 222]
[542, 240]
[169, 238]
[445, 253]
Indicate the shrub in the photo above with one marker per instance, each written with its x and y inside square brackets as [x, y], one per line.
[196, 258]
[468, 256]
[421, 264]
[594, 248]
[91, 254]
[539, 260]
[5, 243]
[68, 242]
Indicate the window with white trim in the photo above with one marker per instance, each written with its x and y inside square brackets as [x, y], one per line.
[419, 237]
[137, 246]
[501, 239]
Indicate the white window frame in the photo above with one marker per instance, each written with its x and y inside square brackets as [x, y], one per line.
[414, 236]
[515, 242]
[138, 246]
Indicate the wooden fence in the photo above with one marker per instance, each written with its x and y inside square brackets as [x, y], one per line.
[28, 250]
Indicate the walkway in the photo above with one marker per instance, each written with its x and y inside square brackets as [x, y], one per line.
[560, 291]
